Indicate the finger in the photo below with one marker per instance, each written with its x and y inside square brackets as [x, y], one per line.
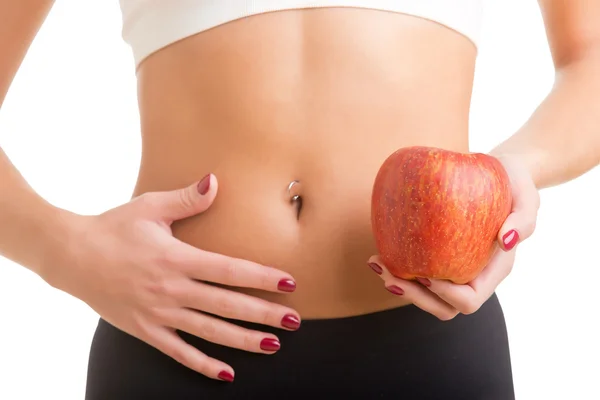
[185, 202]
[468, 298]
[239, 306]
[414, 292]
[218, 268]
[520, 223]
[221, 332]
[171, 344]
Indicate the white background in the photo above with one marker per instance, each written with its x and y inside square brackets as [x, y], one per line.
[70, 125]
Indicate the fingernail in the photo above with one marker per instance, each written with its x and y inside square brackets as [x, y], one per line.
[510, 239]
[269, 344]
[286, 285]
[290, 321]
[378, 270]
[395, 290]
[424, 281]
[204, 185]
[226, 376]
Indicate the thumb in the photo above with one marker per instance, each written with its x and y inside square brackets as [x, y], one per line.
[518, 226]
[520, 223]
[188, 201]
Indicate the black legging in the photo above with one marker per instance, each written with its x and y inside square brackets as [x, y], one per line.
[402, 353]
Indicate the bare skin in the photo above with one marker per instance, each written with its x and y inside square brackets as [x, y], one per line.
[257, 135]
[319, 96]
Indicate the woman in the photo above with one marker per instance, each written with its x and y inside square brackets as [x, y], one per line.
[239, 268]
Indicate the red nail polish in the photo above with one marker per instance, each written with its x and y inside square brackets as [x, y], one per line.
[226, 376]
[204, 185]
[269, 344]
[290, 321]
[424, 281]
[510, 239]
[378, 270]
[286, 285]
[395, 290]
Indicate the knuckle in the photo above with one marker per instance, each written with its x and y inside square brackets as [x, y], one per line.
[186, 200]
[140, 325]
[447, 315]
[536, 200]
[158, 313]
[470, 306]
[230, 270]
[170, 256]
[177, 320]
[185, 296]
[226, 306]
[249, 341]
[160, 287]
[205, 368]
[266, 277]
[202, 366]
[181, 355]
[208, 330]
[268, 316]
[532, 225]
[156, 287]
[147, 200]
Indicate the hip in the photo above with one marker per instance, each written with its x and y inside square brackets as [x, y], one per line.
[398, 352]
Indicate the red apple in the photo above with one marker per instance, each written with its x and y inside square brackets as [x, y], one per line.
[436, 213]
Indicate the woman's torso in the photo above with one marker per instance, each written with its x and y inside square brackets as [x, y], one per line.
[322, 96]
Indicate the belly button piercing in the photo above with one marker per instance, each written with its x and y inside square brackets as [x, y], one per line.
[291, 186]
[295, 198]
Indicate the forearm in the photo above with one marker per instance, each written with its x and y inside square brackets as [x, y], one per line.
[31, 229]
[561, 140]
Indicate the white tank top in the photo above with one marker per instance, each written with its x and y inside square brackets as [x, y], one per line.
[149, 25]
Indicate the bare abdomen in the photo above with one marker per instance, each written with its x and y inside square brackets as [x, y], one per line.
[307, 96]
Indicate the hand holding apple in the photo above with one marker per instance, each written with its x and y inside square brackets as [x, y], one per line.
[449, 221]
[436, 213]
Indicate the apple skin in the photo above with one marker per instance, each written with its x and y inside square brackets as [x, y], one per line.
[436, 213]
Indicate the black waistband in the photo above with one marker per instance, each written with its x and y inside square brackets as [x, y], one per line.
[403, 353]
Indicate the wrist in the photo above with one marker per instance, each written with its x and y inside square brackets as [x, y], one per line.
[525, 159]
[59, 233]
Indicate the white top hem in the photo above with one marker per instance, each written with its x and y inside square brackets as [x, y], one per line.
[149, 25]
